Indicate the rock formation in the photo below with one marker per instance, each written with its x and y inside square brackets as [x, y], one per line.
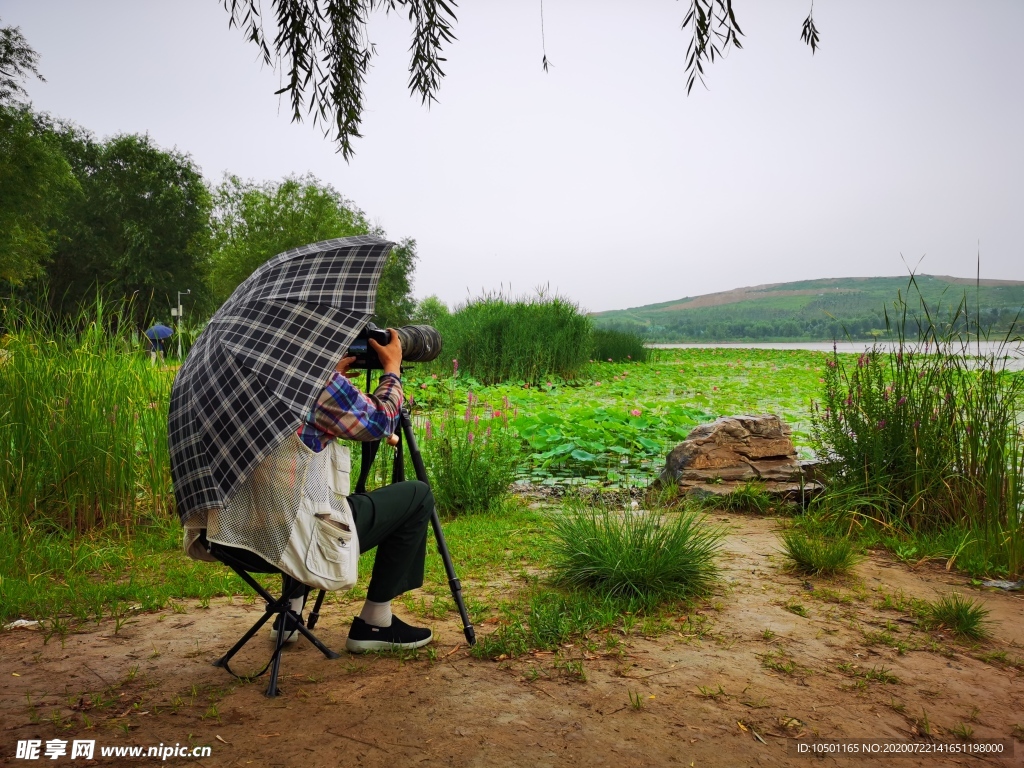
[717, 458]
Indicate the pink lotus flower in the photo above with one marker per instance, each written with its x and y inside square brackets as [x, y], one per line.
[597, 383]
[495, 414]
[433, 375]
[635, 412]
[609, 359]
[423, 385]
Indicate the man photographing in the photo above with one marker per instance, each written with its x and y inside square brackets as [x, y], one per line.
[394, 519]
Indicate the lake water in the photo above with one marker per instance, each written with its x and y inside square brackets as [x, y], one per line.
[1014, 354]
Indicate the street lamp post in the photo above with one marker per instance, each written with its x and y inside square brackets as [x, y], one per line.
[179, 314]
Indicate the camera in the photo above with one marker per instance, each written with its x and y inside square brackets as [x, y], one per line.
[420, 344]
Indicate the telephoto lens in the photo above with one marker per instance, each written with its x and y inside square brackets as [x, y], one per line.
[420, 344]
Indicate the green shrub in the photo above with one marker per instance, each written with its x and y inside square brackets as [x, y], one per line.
[496, 339]
[931, 431]
[619, 346]
[962, 616]
[471, 455]
[818, 555]
[635, 555]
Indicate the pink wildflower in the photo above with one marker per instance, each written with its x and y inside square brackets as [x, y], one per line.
[901, 401]
[423, 385]
[433, 375]
[469, 437]
[597, 383]
[455, 366]
[429, 430]
[635, 412]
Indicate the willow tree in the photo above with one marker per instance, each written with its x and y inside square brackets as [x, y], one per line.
[323, 50]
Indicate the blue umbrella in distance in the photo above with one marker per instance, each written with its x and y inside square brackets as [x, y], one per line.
[159, 331]
[157, 334]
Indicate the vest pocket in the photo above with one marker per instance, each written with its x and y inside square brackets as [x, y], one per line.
[330, 552]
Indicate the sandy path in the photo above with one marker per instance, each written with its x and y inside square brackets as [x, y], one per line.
[731, 695]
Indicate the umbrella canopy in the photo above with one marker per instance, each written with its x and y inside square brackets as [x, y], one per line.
[160, 331]
[261, 362]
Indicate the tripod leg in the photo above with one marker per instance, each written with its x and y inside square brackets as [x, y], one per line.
[369, 453]
[442, 546]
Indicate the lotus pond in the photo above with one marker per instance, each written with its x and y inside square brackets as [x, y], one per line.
[617, 422]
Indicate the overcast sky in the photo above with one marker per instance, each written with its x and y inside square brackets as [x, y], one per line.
[900, 138]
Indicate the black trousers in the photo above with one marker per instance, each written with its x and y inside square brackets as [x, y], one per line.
[394, 519]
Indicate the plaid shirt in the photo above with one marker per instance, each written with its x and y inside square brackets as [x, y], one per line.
[344, 411]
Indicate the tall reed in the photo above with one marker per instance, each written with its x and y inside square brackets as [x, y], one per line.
[619, 346]
[83, 422]
[495, 338]
[930, 434]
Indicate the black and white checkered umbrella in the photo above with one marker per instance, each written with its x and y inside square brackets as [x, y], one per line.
[262, 360]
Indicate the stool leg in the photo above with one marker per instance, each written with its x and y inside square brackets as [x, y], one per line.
[314, 615]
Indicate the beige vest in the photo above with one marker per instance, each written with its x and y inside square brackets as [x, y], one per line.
[292, 511]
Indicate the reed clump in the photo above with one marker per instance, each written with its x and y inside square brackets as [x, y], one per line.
[928, 435]
[615, 346]
[495, 338]
[83, 426]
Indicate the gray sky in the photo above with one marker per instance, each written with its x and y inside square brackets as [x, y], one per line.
[902, 135]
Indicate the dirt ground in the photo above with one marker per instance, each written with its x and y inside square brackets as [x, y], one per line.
[739, 691]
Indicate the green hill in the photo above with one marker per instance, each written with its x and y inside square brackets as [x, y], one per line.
[815, 310]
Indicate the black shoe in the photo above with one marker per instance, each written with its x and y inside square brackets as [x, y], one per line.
[364, 637]
[291, 636]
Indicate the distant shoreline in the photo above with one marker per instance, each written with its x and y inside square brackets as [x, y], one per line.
[1014, 353]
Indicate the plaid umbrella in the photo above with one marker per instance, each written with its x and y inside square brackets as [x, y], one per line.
[260, 363]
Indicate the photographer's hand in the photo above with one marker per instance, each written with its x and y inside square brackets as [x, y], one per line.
[343, 366]
[390, 355]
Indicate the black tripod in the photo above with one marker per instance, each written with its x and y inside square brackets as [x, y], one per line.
[369, 453]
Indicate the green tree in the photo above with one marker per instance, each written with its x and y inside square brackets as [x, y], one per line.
[253, 222]
[430, 310]
[35, 183]
[17, 61]
[140, 228]
[395, 304]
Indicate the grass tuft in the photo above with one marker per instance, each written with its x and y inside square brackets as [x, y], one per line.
[963, 616]
[818, 555]
[635, 555]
